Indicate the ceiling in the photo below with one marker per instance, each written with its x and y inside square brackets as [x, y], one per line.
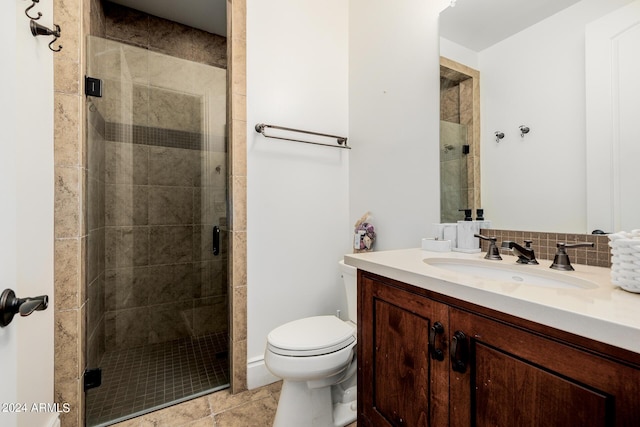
[478, 24]
[207, 15]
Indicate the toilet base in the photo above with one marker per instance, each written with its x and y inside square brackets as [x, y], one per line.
[345, 411]
[302, 406]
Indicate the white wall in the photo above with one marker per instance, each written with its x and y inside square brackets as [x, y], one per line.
[394, 118]
[366, 69]
[537, 78]
[297, 194]
[459, 53]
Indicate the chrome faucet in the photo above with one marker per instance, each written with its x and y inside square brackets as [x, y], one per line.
[525, 254]
[561, 260]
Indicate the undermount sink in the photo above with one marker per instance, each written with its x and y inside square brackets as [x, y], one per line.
[513, 273]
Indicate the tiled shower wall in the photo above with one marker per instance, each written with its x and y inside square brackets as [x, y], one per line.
[95, 267]
[78, 18]
[162, 187]
[164, 178]
[162, 281]
[160, 35]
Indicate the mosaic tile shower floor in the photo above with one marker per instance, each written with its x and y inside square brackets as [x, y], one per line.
[143, 378]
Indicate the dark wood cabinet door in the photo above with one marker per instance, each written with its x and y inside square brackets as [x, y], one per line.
[399, 382]
[513, 377]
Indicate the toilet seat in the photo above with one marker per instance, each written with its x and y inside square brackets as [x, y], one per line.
[311, 336]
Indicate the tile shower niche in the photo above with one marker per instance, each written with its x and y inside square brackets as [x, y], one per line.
[157, 314]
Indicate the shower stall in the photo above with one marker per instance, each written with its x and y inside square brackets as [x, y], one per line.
[156, 269]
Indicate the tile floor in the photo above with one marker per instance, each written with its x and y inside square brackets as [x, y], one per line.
[253, 408]
[141, 378]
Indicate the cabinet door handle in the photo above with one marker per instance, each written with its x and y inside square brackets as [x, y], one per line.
[459, 352]
[436, 353]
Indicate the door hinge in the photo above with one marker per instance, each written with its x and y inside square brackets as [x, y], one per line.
[92, 87]
[92, 378]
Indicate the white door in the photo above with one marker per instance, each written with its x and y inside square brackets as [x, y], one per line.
[8, 341]
[26, 215]
[613, 107]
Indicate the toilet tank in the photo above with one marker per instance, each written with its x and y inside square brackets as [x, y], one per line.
[350, 280]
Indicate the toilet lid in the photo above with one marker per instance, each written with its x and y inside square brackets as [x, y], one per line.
[311, 336]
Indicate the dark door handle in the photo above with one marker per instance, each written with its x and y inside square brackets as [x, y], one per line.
[436, 353]
[459, 352]
[10, 305]
[216, 240]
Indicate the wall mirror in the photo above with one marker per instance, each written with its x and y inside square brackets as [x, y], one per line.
[534, 59]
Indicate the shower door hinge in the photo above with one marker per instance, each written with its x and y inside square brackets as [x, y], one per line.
[92, 87]
[92, 378]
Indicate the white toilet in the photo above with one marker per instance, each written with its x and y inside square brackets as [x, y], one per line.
[316, 358]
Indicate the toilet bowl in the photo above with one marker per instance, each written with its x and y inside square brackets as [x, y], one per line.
[316, 359]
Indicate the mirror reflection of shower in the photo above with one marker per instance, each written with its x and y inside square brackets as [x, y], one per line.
[458, 159]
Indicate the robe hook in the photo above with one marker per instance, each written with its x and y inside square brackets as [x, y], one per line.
[26, 12]
[41, 30]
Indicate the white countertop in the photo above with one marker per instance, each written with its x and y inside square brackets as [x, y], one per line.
[606, 313]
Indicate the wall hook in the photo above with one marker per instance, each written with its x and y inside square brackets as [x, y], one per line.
[26, 12]
[41, 30]
[499, 135]
[523, 130]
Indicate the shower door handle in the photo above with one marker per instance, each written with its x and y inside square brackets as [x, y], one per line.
[216, 240]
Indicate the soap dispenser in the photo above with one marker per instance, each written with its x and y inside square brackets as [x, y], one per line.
[467, 214]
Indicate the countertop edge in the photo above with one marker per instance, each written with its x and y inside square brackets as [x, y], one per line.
[608, 327]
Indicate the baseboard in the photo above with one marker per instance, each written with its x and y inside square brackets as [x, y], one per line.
[258, 375]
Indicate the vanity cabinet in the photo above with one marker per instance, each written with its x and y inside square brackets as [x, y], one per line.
[497, 370]
[399, 383]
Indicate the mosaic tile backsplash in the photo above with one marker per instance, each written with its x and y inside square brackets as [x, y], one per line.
[544, 245]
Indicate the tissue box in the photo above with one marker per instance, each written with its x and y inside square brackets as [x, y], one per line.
[436, 245]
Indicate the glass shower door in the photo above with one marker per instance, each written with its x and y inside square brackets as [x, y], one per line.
[455, 193]
[157, 303]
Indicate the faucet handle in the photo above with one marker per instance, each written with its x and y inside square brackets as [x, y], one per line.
[480, 236]
[493, 252]
[561, 260]
[527, 244]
